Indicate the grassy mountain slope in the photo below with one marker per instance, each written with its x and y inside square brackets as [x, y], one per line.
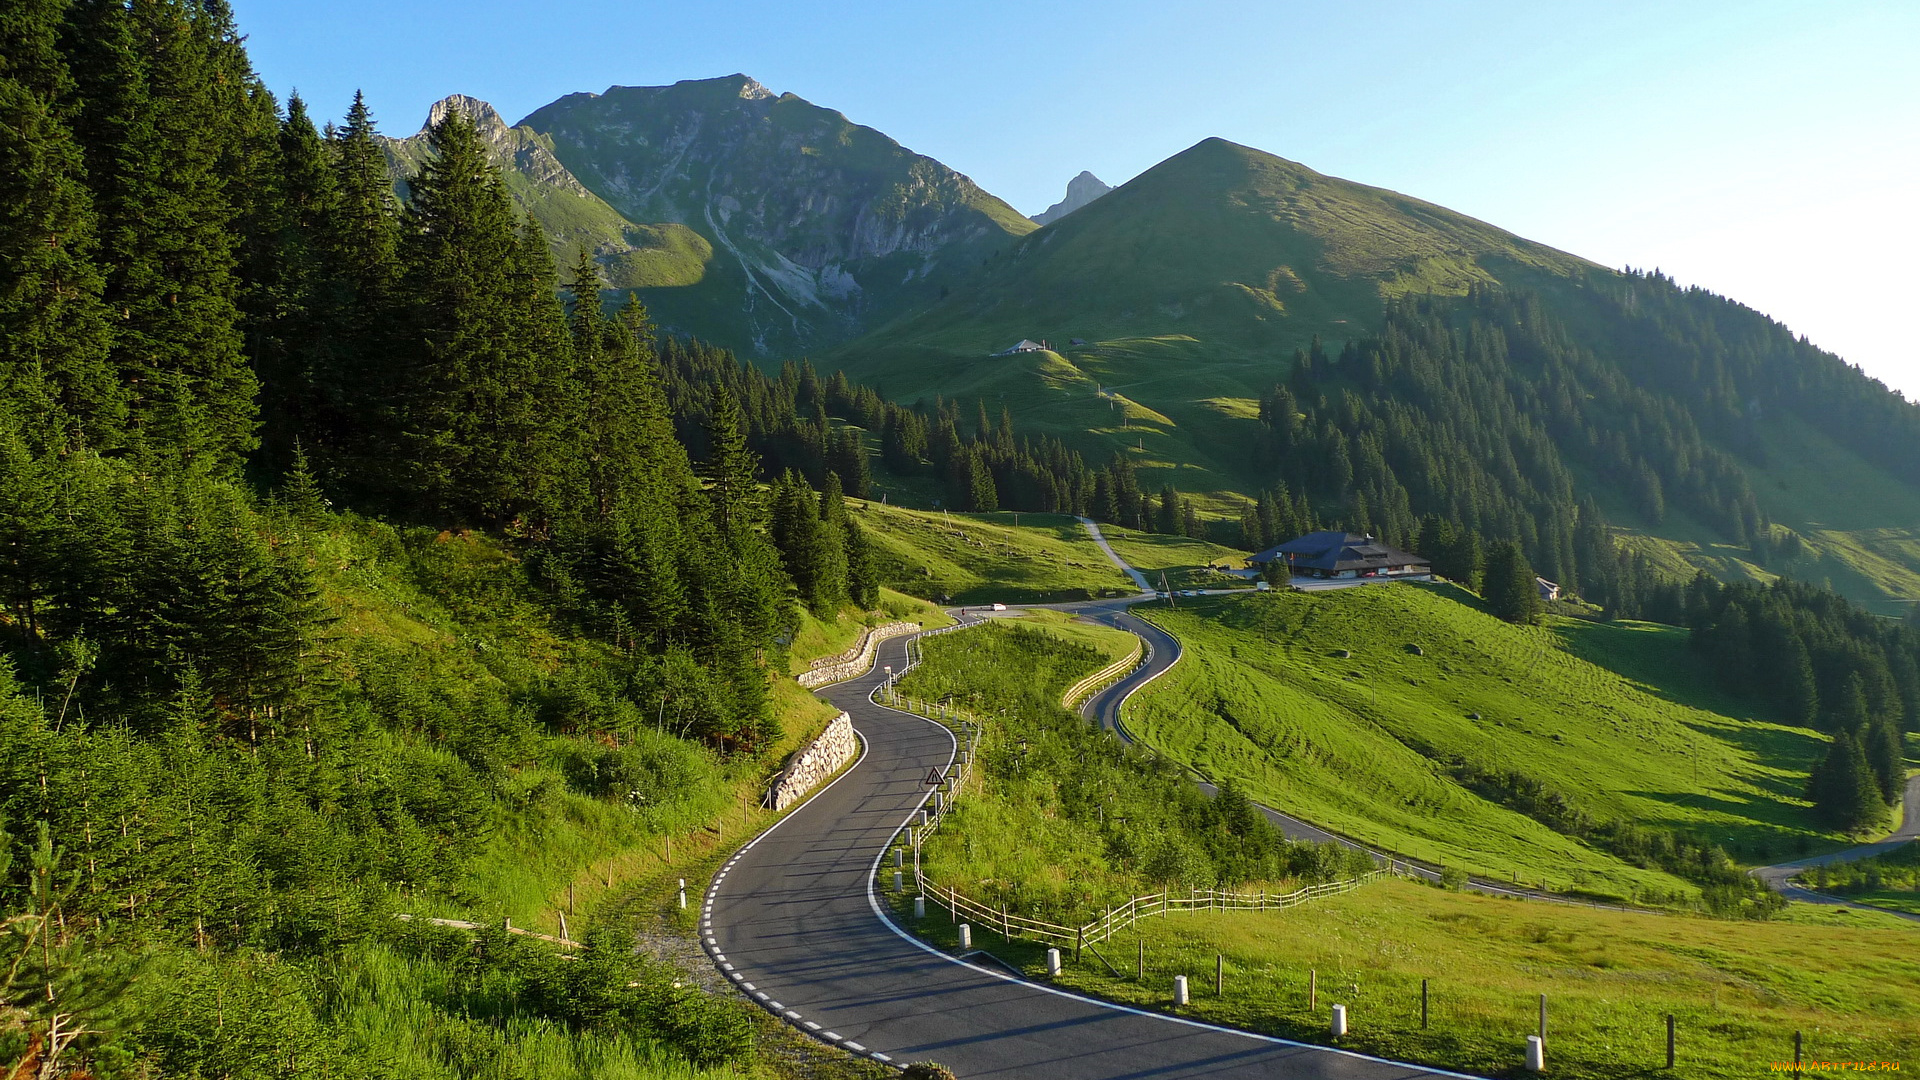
[981, 558]
[1192, 286]
[1614, 719]
[821, 227]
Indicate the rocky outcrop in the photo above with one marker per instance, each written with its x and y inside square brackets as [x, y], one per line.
[815, 762]
[856, 659]
[1081, 190]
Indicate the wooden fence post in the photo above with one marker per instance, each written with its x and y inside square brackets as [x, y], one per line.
[1313, 990]
[1669, 1040]
[1423, 1004]
[1219, 975]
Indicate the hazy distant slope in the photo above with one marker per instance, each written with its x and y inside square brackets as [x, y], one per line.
[1081, 190]
[820, 227]
[1231, 245]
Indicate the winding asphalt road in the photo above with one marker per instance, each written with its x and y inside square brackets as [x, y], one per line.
[1779, 877]
[793, 920]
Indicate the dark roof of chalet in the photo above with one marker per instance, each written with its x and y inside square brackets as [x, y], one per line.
[1329, 550]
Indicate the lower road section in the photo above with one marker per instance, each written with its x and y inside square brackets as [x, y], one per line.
[793, 921]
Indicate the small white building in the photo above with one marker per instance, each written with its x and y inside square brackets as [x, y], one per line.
[1023, 345]
[1548, 590]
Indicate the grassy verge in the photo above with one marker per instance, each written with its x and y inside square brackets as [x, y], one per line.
[816, 637]
[1738, 990]
[972, 558]
[1187, 563]
[1407, 717]
[452, 618]
[1063, 820]
[1890, 881]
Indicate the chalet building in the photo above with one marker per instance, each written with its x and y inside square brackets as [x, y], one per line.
[1548, 590]
[1021, 346]
[1345, 555]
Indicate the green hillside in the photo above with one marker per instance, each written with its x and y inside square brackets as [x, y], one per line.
[1737, 990]
[1193, 287]
[1581, 725]
[982, 558]
[1192, 284]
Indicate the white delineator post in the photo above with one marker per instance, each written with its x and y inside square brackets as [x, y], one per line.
[1053, 962]
[683, 894]
[966, 936]
[1339, 1020]
[1536, 1054]
[899, 881]
[1180, 991]
[919, 907]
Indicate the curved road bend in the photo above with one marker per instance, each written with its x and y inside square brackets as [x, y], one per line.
[1779, 877]
[790, 918]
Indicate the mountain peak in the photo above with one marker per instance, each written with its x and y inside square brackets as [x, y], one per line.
[484, 116]
[1081, 190]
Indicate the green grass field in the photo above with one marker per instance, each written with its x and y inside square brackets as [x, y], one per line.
[1613, 720]
[1187, 562]
[975, 558]
[1738, 990]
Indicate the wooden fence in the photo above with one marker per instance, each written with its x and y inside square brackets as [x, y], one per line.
[1106, 676]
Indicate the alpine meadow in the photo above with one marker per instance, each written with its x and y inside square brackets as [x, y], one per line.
[511, 600]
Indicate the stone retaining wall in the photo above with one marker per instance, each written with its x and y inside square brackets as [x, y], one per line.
[818, 760]
[856, 660]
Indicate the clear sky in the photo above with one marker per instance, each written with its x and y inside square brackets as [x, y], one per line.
[1765, 149]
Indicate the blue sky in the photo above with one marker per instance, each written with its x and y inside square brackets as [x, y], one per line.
[1766, 150]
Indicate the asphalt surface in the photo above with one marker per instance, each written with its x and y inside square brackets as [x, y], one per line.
[793, 920]
[1779, 876]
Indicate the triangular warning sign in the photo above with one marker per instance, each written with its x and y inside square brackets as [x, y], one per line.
[934, 778]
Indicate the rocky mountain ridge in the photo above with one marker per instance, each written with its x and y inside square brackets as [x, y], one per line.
[1081, 190]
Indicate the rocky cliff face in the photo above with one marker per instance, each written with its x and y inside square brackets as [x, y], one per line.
[819, 227]
[1081, 190]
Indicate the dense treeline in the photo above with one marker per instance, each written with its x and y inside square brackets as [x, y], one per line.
[1732, 369]
[1813, 659]
[201, 769]
[1477, 412]
[790, 423]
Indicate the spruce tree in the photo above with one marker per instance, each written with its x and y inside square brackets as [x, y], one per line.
[1886, 756]
[863, 570]
[473, 428]
[1842, 787]
[291, 335]
[354, 431]
[831, 585]
[160, 126]
[1511, 592]
[54, 333]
